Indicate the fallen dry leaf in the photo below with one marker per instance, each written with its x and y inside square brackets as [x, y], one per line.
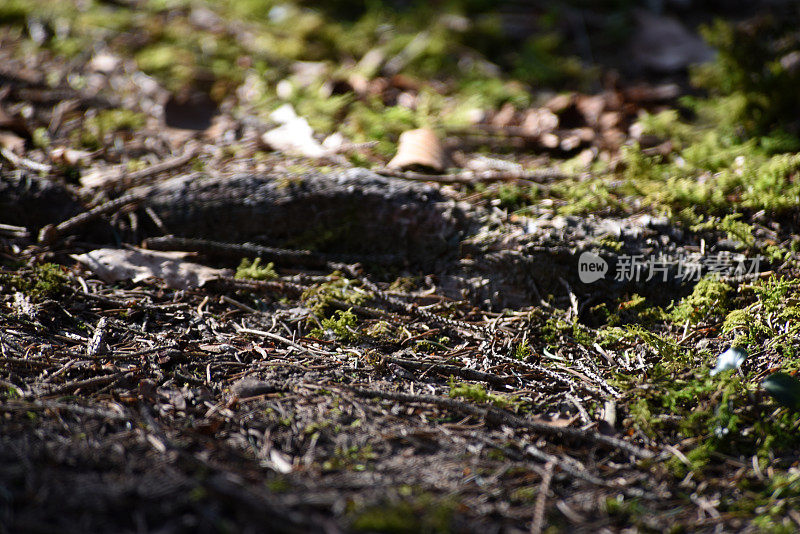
[421, 148]
[12, 141]
[538, 121]
[70, 156]
[294, 136]
[505, 117]
[113, 265]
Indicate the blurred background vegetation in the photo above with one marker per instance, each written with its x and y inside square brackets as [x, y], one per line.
[373, 69]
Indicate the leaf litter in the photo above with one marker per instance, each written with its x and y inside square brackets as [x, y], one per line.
[359, 398]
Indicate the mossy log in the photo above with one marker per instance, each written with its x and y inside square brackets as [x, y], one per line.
[353, 211]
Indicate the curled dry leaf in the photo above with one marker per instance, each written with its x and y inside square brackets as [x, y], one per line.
[112, 265]
[538, 121]
[12, 142]
[505, 117]
[421, 148]
[70, 156]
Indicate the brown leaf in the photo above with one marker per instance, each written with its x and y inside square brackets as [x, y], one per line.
[591, 107]
[112, 265]
[12, 142]
[14, 123]
[559, 422]
[559, 103]
[419, 148]
[505, 117]
[538, 121]
[70, 156]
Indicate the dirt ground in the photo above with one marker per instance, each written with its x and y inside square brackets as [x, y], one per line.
[467, 390]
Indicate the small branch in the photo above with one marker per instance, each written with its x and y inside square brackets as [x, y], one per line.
[89, 383]
[414, 310]
[498, 416]
[97, 344]
[541, 499]
[50, 234]
[25, 362]
[60, 406]
[137, 178]
[469, 374]
[271, 286]
[19, 161]
[278, 255]
[281, 339]
[540, 176]
[13, 231]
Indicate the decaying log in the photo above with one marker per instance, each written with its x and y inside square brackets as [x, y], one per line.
[353, 212]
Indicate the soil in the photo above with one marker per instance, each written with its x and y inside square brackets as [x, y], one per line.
[259, 406]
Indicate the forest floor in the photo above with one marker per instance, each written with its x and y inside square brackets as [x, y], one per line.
[608, 346]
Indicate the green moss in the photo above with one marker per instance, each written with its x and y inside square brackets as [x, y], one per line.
[748, 66]
[730, 155]
[526, 494]
[587, 196]
[625, 511]
[736, 230]
[167, 61]
[353, 458]
[762, 321]
[106, 122]
[323, 112]
[611, 243]
[278, 484]
[46, 280]
[255, 271]
[629, 309]
[372, 121]
[381, 330]
[477, 393]
[319, 296]
[41, 138]
[514, 197]
[523, 351]
[424, 513]
[341, 325]
[491, 93]
[555, 328]
[709, 298]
